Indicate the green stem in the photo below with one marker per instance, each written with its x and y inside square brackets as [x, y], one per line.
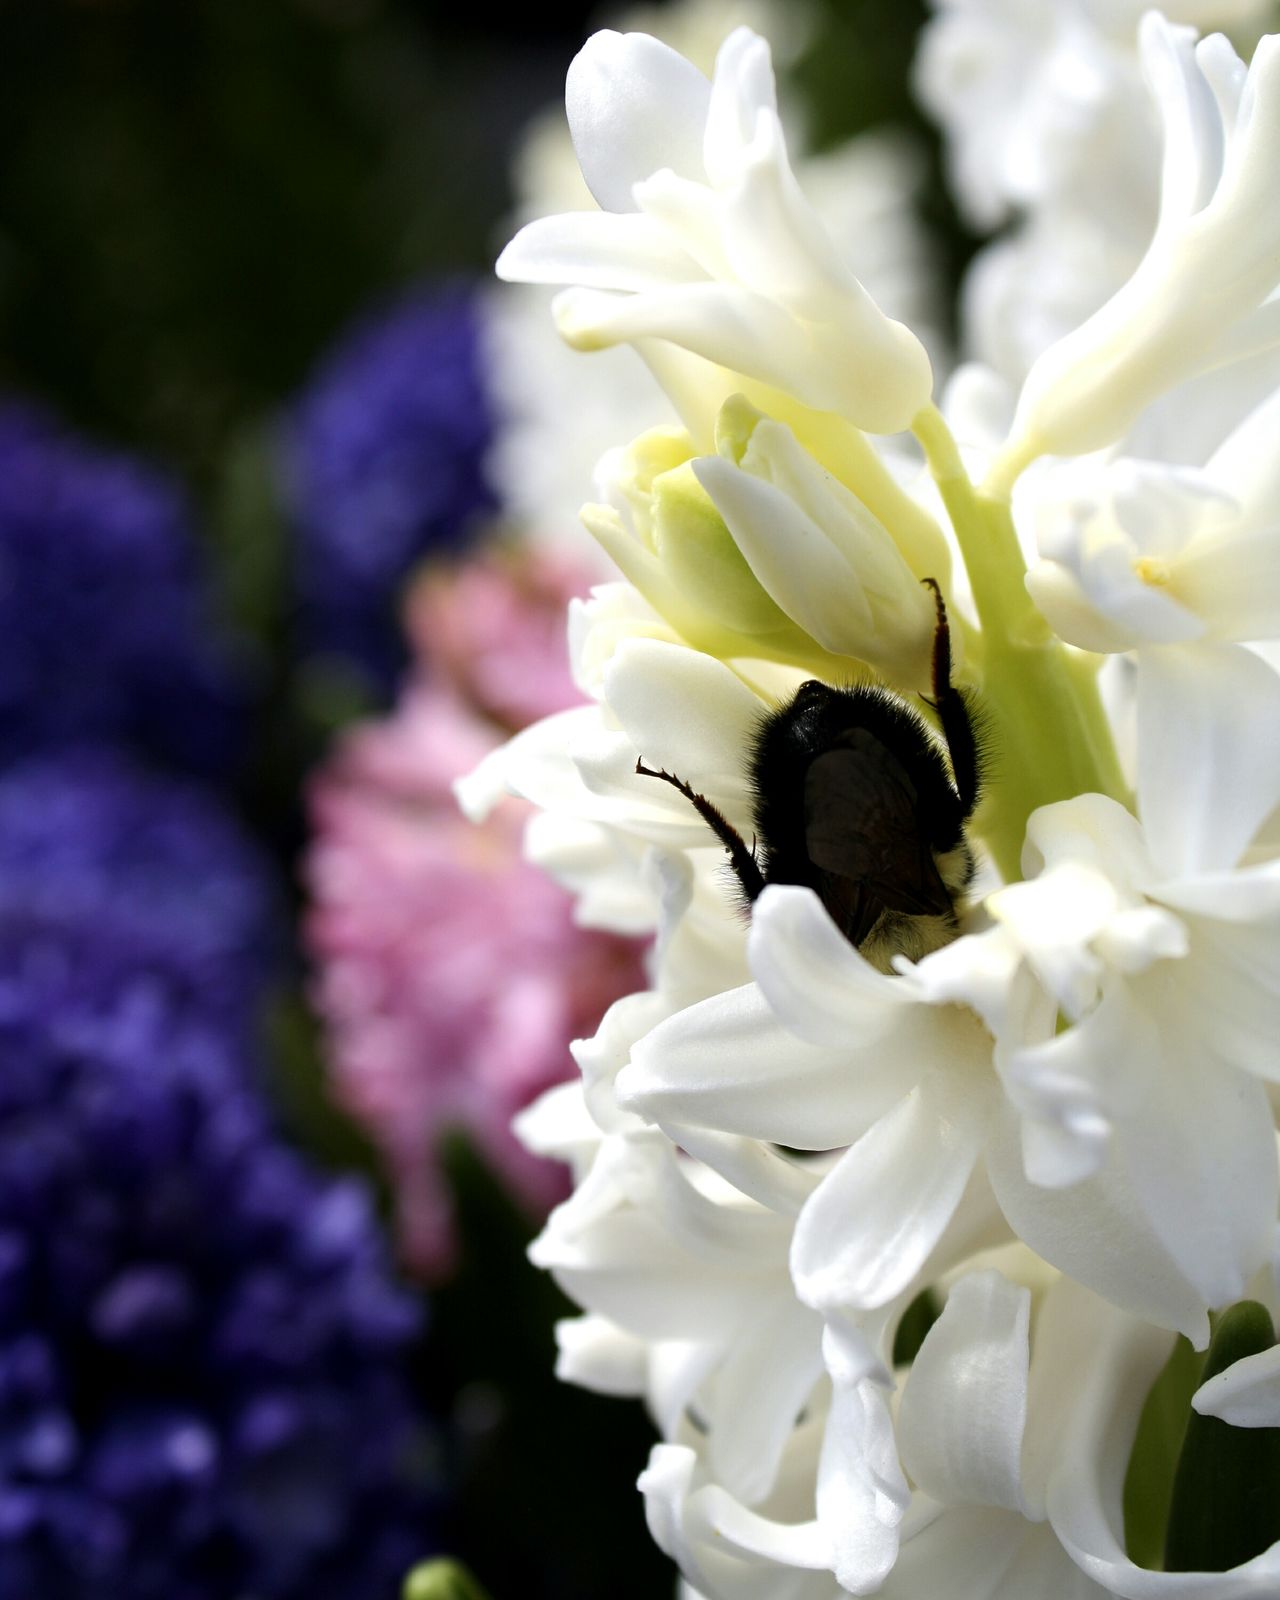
[1048, 733]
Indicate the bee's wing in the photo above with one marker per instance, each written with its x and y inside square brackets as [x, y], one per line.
[862, 826]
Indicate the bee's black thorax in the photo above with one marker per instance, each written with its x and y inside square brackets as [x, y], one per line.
[853, 798]
[820, 719]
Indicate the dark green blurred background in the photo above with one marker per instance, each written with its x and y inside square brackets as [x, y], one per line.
[198, 194]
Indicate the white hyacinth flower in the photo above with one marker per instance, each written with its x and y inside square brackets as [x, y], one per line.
[1042, 102]
[1204, 293]
[1180, 566]
[1055, 1134]
[705, 241]
[557, 414]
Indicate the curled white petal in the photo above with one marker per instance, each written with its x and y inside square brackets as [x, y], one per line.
[1246, 1394]
[964, 1409]
[728, 1064]
[1086, 1486]
[874, 1220]
[635, 106]
[1208, 775]
[751, 281]
[1200, 294]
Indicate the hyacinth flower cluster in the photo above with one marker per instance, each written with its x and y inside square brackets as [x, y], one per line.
[98, 549]
[451, 973]
[952, 1273]
[382, 463]
[204, 1384]
[204, 1355]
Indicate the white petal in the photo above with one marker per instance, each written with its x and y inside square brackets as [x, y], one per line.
[1228, 1002]
[1233, 582]
[986, 972]
[1119, 618]
[599, 867]
[964, 1407]
[1201, 1154]
[873, 1221]
[1207, 774]
[687, 713]
[825, 365]
[1091, 829]
[691, 219]
[1247, 1394]
[1247, 466]
[795, 562]
[720, 1546]
[1054, 919]
[972, 1553]
[759, 1392]
[862, 1493]
[727, 1063]
[534, 764]
[603, 1056]
[778, 245]
[1096, 1232]
[624, 1270]
[1210, 267]
[743, 89]
[1109, 1389]
[757, 1170]
[1073, 1087]
[557, 1123]
[736, 1530]
[815, 980]
[775, 455]
[597, 1355]
[634, 106]
[725, 323]
[597, 249]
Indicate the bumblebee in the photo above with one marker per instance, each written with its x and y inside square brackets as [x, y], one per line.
[854, 798]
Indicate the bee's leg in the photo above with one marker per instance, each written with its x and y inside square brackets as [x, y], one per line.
[741, 859]
[953, 711]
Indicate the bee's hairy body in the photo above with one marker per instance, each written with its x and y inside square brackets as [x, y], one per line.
[853, 799]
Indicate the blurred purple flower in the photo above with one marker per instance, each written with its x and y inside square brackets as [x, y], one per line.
[143, 882]
[450, 973]
[203, 1385]
[383, 463]
[106, 625]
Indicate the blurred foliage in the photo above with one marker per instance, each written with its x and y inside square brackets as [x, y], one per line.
[294, 1047]
[547, 1508]
[196, 197]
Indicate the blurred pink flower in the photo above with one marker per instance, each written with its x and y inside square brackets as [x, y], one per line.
[450, 974]
[494, 628]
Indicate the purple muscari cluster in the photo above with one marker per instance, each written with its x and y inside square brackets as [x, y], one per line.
[383, 464]
[203, 1353]
[106, 630]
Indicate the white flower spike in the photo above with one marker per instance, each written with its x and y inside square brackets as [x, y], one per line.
[895, 1245]
[1204, 295]
[706, 242]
